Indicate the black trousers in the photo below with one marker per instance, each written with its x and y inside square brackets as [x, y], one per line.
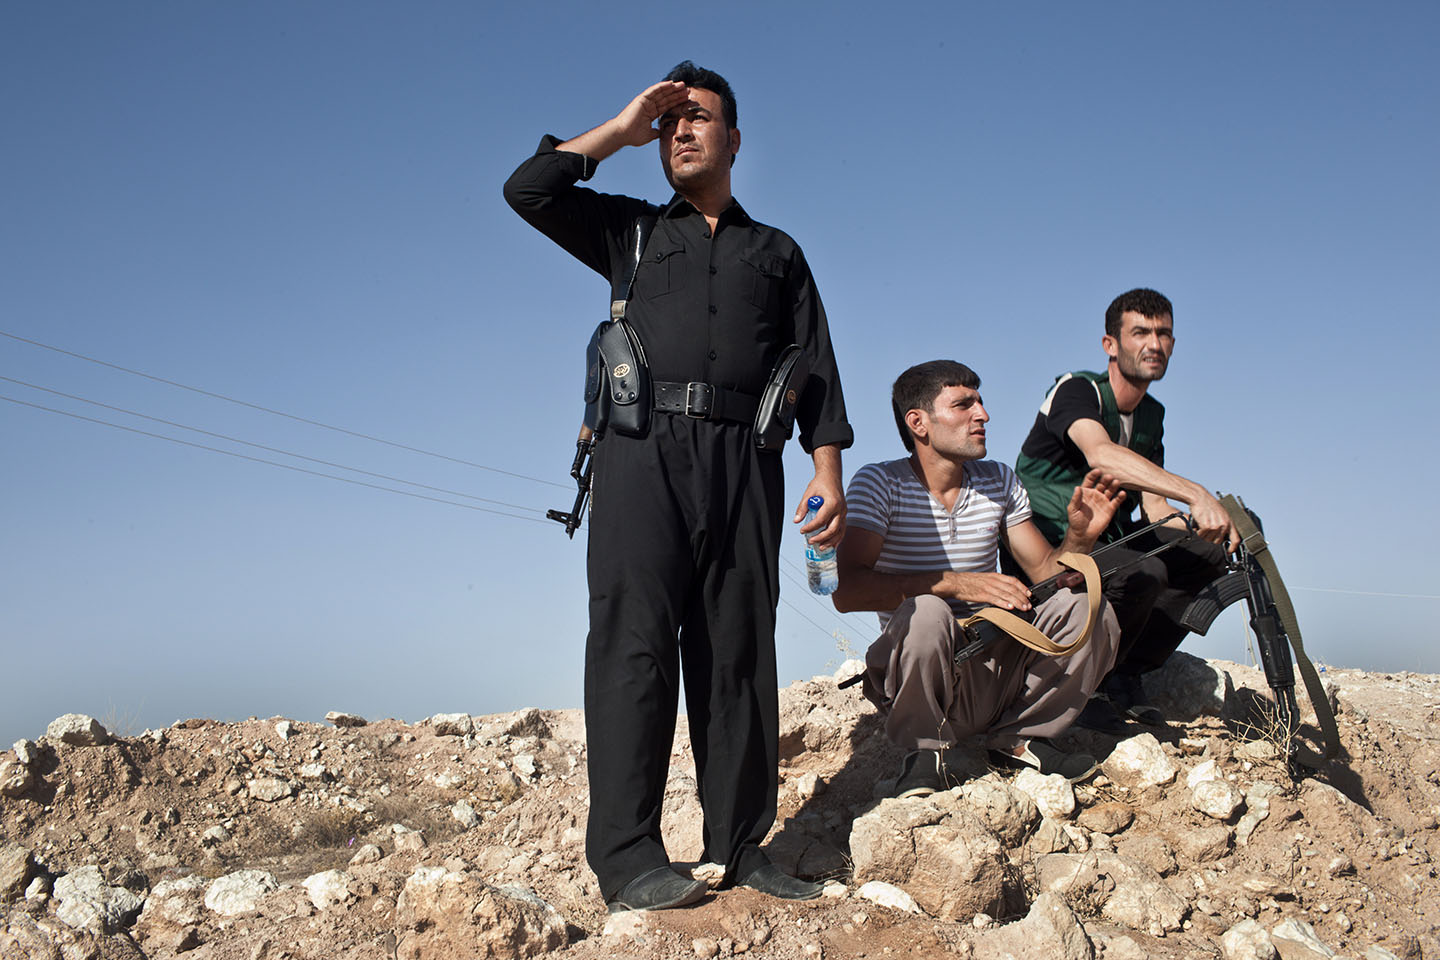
[683, 570]
[1149, 597]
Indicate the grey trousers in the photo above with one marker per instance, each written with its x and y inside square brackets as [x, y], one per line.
[1016, 694]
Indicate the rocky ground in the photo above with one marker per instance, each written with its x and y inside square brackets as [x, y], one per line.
[461, 837]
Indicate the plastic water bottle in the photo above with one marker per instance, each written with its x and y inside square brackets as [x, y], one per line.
[819, 561]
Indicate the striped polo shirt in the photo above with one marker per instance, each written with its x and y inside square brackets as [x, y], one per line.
[920, 534]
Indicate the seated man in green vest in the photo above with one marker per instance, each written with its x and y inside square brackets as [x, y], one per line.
[1108, 421]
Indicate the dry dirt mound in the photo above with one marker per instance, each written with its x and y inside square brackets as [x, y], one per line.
[463, 836]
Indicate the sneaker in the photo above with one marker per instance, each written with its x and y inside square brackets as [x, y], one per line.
[922, 774]
[1127, 694]
[1101, 716]
[1040, 754]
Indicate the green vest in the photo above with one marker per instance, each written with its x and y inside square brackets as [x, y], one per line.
[1051, 484]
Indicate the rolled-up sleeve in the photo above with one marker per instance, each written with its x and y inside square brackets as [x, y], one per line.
[542, 190]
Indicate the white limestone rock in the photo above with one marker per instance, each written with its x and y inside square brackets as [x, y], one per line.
[1139, 762]
[328, 888]
[453, 724]
[1257, 809]
[465, 814]
[172, 906]
[214, 836]
[87, 902]
[1202, 771]
[77, 729]
[1053, 794]
[15, 778]
[1295, 940]
[1007, 810]
[341, 719]
[443, 913]
[1187, 687]
[939, 852]
[367, 853]
[888, 895]
[1217, 799]
[1050, 931]
[1130, 893]
[239, 893]
[1247, 940]
[270, 789]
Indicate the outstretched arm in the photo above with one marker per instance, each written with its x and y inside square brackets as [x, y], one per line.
[1133, 470]
[1092, 506]
[633, 126]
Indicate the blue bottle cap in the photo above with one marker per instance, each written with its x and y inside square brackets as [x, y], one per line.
[815, 503]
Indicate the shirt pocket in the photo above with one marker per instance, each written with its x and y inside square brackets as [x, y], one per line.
[661, 268]
[766, 282]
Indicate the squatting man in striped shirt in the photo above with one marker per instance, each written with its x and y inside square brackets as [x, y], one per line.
[922, 548]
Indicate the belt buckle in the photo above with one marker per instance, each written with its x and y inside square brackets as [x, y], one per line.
[699, 398]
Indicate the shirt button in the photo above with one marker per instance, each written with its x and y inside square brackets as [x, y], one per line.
[712, 271]
[712, 308]
[713, 355]
[707, 234]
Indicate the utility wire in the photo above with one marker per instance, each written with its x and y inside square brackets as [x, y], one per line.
[1371, 593]
[278, 413]
[801, 614]
[374, 439]
[261, 446]
[273, 463]
[796, 578]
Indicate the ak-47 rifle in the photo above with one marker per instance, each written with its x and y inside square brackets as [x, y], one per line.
[1251, 575]
[982, 634]
[582, 468]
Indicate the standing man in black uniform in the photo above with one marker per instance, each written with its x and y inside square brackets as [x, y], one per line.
[685, 521]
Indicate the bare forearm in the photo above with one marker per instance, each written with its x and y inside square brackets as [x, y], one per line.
[1135, 472]
[827, 464]
[862, 589]
[631, 126]
[599, 142]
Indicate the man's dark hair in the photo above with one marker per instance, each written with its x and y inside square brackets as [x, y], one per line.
[1142, 300]
[692, 76]
[917, 388]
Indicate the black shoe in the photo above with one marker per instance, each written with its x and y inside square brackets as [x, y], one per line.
[1100, 715]
[922, 774]
[769, 879]
[1127, 694]
[657, 889]
[1040, 754]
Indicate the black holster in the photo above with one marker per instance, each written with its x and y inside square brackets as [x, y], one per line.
[775, 419]
[617, 381]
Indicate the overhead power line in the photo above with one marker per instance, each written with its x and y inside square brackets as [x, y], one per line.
[260, 446]
[278, 413]
[1371, 593]
[276, 463]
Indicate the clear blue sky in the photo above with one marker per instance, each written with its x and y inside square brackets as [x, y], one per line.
[298, 205]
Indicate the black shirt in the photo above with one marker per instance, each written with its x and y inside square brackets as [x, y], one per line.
[712, 309]
[1049, 437]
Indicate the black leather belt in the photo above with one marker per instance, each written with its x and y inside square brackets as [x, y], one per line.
[704, 401]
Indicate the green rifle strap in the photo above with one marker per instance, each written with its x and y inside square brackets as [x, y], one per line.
[1256, 546]
[1027, 633]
